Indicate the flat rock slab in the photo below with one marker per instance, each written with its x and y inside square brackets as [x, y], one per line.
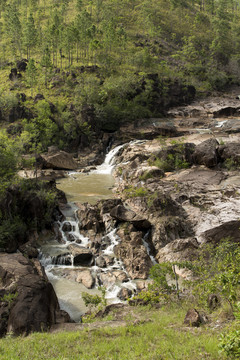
[200, 176]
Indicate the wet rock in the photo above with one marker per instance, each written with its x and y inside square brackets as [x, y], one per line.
[81, 255]
[67, 226]
[111, 277]
[34, 305]
[107, 205]
[120, 275]
[120, 213]
[90, 219]
[206, 153]
[29, 249]
[59, 161]
[72, 238]
[105, 242]
[135, 259]
[85, 277]
[101, 262]
[193, 318]
[231, 126]
[124, 294]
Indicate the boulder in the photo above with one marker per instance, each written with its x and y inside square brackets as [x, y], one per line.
[178, 250]
[122, 214]
[81, 255]
[90, 219]
[85, 277]
[30, 303]
[206, 153]
[230, 151]
[213, 301]
[22, 65]
[135, 259]
[230, 229]
[100, 261]
[67, 227]
[38, 97]
[193, 318]
[124, 294]
[60, 160]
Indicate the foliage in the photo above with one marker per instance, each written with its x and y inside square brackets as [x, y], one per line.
[10, 230]
[9, 298]
[135, 192]
[95, 301]
[229, 343]
[217, 271]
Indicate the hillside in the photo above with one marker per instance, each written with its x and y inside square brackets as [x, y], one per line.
[98, 64]
[158, 82]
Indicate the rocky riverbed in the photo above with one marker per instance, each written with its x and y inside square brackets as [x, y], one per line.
[176, 188]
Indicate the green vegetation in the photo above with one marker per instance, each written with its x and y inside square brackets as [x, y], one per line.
[9, 298]
[230, 340]
[218, 272]
[132, 192]
[95, 302]
[97, 65]
[159, 333]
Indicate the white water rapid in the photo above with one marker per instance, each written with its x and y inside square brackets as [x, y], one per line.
[58, 258]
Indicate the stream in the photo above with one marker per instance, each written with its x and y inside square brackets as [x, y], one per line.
[59, 263]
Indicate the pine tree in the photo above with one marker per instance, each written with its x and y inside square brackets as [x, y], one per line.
[31, 73]
[13, 28]
[30, 35]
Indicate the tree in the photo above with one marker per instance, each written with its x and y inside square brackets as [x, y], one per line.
[31, 73]
[46, 64]
[13, 28]
[30, 35]
[221, 46]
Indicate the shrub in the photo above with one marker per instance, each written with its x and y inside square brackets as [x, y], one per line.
[132, 192]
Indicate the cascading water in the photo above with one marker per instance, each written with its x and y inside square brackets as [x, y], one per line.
[59, 259]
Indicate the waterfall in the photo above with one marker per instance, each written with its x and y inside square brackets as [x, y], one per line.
[58, 258]
[107, 166]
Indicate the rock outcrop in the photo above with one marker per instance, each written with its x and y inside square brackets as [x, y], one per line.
[28, 302]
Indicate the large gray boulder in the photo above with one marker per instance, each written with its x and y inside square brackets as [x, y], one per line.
[59, 160]
[206, 153]
[230, 151]
[28, 302]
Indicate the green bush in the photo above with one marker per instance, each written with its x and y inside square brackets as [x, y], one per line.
[217, 271]
[132, 192]
[230, 344]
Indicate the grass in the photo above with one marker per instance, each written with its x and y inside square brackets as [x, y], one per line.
[160, 336]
